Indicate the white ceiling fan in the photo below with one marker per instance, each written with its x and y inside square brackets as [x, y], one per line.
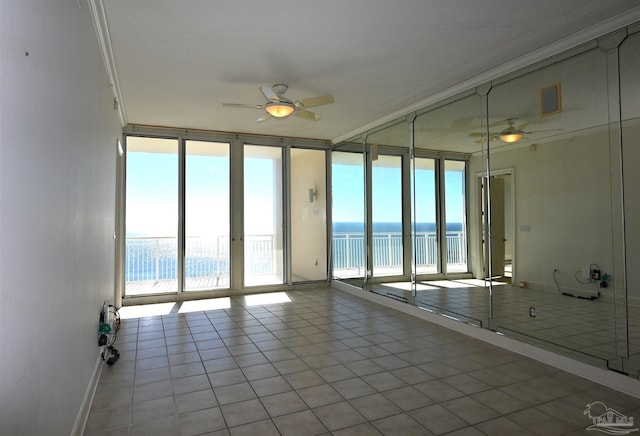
[510, 134]
[279, 106]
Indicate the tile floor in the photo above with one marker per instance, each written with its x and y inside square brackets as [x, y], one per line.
[579, 328]
[329, 363]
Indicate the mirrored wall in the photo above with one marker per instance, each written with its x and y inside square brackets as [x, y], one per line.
[513, 206]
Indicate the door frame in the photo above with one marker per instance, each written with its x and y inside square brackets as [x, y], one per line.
[511, 235]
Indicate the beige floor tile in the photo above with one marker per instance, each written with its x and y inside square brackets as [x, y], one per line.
[299, 424]
[287, 368]
[200, 421]
[339, 415]
[243, 412]
[283, 404]
[400, 425]
[319, 395]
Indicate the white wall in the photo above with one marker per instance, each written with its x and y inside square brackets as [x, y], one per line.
[308, 220]
[58, 133]
[562, 209]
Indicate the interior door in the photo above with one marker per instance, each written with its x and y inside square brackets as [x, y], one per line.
[492, 199]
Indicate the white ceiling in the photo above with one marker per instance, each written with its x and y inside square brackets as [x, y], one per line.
[173, 63]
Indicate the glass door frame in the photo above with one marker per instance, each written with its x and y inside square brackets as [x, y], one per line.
[236, 228]
[405, 212]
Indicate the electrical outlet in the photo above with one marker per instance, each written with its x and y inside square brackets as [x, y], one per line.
[586, 272]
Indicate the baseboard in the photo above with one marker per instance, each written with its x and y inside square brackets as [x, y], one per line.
[610, 379]
[85, 407]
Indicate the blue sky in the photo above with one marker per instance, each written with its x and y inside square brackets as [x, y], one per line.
[152, 194]
[348, 194]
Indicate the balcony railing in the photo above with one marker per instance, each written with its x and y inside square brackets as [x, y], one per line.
[348, 250]
[154, 259]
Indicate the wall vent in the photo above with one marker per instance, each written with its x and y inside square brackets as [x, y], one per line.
[550, 100]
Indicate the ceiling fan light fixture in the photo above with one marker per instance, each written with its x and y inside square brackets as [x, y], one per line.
[510, 137]
[279, 109]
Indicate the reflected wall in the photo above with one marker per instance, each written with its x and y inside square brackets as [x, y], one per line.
[542, 164]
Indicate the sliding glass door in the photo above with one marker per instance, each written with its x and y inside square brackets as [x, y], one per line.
[455, 212]
[151, 249]
[425, 230]
[347, 181]
[203, 215]
[386, 204]
[263, 216]
[207, 214]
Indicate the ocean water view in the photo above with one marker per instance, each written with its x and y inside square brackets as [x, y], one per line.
[391, 227]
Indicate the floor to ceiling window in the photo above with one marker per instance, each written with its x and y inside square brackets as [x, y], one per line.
[387, 238]
[207, 214]
[425, 230]
[347, 182]
[455, 212]
[204, 215]
[263, 216]
[151, 216]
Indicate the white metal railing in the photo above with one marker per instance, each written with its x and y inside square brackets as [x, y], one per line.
[155, 258]
[348, 249]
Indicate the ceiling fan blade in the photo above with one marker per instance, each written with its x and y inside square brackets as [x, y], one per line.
[269, 94]
[316, 101]
[265, 117]
[480, 134]
[306, 114]
[543, 131]
[242, 105]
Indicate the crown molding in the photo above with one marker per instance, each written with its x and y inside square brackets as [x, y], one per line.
[100, 24]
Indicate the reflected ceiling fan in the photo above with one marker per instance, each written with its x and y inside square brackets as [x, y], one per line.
[279, 106]
[510, 134]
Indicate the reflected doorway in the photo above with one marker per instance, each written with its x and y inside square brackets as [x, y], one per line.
[498, 226]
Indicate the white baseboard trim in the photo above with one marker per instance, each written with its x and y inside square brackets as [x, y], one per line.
[610, 379]
[85, 407]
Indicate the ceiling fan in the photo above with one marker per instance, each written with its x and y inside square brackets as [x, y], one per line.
[279, 106]
[510, 134]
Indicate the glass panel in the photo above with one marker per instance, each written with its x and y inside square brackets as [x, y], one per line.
[441, 195]
[564, 229]
[455, 212]
[206, 216]
[426, 238]
[348, 255]
[387, 216]
[152, 212]
[263, 219]
[308, 215]
[627, 298]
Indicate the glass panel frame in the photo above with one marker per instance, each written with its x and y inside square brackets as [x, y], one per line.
[207, 259]
[151, 223]
[263, 229]
[348, 215]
